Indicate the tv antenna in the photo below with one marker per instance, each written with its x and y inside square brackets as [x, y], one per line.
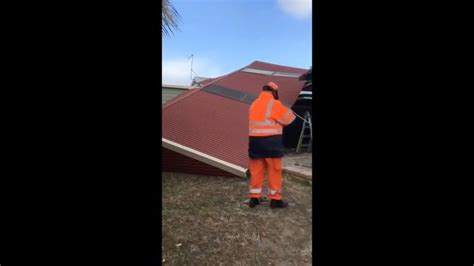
[192, 71]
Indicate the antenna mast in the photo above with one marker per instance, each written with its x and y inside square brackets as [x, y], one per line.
[191, 72]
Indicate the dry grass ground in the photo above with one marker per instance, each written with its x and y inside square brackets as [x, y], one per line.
[206, 221]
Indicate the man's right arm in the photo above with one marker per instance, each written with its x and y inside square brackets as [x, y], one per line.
[284, 116]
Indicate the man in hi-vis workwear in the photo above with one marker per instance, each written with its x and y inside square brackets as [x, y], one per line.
[267, 116]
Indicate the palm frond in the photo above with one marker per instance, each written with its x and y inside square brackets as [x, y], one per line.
[169, 17]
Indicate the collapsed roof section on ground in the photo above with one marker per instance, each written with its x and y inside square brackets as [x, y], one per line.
[210, 124]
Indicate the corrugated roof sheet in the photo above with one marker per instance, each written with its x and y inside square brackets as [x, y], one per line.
[216, 125]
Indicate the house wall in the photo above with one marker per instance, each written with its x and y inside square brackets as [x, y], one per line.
[174, 162]
[169, 93]
[291, 133]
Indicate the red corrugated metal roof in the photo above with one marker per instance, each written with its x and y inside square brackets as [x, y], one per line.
[175, 162]
[177, 98]
[216, 125]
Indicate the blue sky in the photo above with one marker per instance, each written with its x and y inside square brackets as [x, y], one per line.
[225, 35]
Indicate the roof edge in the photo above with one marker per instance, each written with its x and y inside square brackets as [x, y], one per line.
[278, 65]
[215, 80]
[184, 87]
[196, 89]
[179, 97]
[202, 157]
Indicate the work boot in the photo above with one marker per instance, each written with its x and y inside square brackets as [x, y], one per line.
[278, 204]
[253, 202]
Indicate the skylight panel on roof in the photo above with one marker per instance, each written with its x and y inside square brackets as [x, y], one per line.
[258, 71]
[271, 73]
[231, 93]
[235, 94]
[286, 74]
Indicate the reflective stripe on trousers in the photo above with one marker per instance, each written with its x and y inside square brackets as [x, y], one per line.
[255, 190]
[273, 192]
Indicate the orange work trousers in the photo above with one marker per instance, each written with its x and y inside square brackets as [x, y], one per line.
[257, 172]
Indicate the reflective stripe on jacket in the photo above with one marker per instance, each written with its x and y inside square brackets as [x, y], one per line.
[267, 116]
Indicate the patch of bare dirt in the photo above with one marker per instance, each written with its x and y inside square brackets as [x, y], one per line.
[206, 221]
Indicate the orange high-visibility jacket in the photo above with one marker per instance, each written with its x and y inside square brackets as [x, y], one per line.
[267, 116]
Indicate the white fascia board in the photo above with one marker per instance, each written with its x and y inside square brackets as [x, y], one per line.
[169, 86]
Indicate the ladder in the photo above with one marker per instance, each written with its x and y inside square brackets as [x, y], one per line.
[306, 138]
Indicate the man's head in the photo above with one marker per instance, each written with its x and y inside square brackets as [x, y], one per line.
[271, 86]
